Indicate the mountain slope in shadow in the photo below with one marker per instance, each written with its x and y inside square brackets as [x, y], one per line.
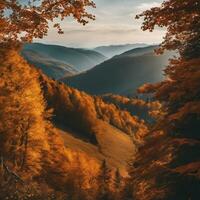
[122, 74]
[51, 67]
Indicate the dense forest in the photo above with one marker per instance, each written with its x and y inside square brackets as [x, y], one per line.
[35, 162]
[81, 111]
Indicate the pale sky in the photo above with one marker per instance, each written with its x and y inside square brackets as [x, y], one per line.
[114, 24]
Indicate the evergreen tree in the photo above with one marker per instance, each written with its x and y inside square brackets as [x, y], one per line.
[117, 180]
[104, 182]
[117, 185]
[128, 187]
[127, 192]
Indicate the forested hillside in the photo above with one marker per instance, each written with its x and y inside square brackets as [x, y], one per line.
[147, 110]
[51, 67]
[38, 162]
[81, 111]
[32, 151]
[60, 143]
[35, 164]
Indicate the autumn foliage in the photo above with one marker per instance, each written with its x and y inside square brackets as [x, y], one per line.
[33, 157]
[22, 124]
[35, 164]
[147, 110]
[24, 20]
[167, 166]
[82, 112]
[31, 149]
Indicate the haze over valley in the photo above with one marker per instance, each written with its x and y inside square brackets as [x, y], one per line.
[93, 72]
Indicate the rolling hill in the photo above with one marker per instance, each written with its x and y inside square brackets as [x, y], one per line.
[122, 74]
[58, 61]
[113, 50]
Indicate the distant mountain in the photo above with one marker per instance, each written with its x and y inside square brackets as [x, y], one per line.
[61, 61]
[138, 51]
[122, 74]
[51, 67]
[113, 50]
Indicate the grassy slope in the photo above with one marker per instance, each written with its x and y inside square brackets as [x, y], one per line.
[113, 145]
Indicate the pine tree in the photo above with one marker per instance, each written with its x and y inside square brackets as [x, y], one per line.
[127, 192]
[117, 185]
[128, 187]
[104, 182]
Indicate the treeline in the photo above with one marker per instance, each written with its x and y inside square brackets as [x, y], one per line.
[70, 108]
[82, 112]
[148, 110]
[121, 119]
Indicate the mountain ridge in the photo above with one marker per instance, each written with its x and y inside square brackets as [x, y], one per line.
[63, 61]
[122, 74]
[113, 50]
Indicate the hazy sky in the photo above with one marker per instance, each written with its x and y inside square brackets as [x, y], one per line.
[114, 24]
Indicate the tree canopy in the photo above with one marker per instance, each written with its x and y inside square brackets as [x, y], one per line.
[180, 91]
[23, 20]
[167, 166]
[182, 20]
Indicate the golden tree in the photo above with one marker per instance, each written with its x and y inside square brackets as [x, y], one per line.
[27, 146]
[167, 166]
[180, 91]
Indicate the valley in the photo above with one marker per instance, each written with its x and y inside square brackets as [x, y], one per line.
[106, 111]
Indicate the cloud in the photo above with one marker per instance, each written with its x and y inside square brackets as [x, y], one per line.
[109, 29]
[114, 24]
[94, 37]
